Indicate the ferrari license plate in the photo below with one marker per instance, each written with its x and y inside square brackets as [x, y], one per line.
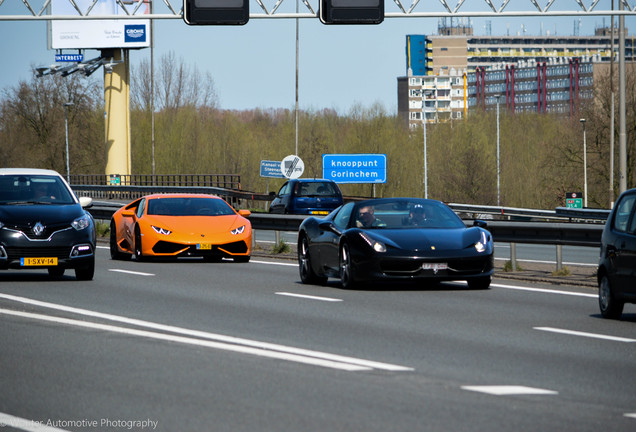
[31, 262]
[434, 266]
[204, 246]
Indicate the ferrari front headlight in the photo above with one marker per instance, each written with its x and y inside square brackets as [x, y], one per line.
[376, 245]
[160, 230]
[482, 244]
[238, 230]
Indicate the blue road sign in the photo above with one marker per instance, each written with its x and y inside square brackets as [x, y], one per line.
[354, 168]
[271, 169]
[69, 57]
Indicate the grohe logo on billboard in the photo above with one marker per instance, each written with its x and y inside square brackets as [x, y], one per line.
[135, 33]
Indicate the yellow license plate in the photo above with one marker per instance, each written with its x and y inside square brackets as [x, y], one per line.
[204, 246]
[319, 212]
[30, 262]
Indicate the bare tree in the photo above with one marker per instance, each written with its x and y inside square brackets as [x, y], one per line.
[176, 85]
[32, 118]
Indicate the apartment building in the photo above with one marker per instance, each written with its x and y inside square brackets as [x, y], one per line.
[540, 74]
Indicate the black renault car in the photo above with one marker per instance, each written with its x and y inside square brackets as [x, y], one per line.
[43, 225]
[617, 266]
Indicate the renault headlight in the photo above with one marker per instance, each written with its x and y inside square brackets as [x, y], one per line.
[81, 222]
[238, 230]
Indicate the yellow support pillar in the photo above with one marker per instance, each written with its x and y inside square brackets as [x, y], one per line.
[117, 115]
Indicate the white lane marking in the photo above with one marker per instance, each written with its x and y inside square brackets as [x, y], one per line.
[211, 336]
[630, 415]
[506, 390]
[278, 263]
[543, 290]
[192, 341]
[103, 247]
[585, 334]
[327, 299]
[131, 272]
[26, 424]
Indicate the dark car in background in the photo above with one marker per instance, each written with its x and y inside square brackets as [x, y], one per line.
[306, 197]
[43, 225]
[617, 266]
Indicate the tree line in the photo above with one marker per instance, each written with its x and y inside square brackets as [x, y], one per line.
[541, 155]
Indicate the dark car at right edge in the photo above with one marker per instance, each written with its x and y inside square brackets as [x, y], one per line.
[617, 266]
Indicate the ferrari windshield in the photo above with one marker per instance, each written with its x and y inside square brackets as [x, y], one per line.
[404, 213]
[189, 206]
[33, 189]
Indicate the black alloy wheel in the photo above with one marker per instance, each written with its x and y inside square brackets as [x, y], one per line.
[307, 274]
[609, 306]
[347, 273]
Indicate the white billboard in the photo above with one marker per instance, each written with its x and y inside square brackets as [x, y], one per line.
[96, 34]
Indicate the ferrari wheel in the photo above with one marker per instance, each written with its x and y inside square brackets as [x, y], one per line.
[114, 250]
[481, 283]
[347, 274]
[610, 307]
[307, 274]
[138, 254]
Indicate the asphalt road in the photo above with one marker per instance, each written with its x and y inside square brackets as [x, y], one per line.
[193, 346]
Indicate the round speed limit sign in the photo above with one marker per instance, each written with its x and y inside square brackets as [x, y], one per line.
[292, 166]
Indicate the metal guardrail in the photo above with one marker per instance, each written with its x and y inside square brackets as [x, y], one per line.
[235, 196]
[130, 193]
[560, 213]
[226, 181]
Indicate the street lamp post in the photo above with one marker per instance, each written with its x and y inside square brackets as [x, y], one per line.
[498, 177]
[584, 165]
[423, 94]
[68, 170]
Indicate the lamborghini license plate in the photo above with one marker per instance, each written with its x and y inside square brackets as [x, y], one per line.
[204, 246]
[31, 262]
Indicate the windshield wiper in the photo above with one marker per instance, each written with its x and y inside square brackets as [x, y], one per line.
[27, 202]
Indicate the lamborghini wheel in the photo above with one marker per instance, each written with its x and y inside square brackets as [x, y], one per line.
[115, 254]
[138, 253]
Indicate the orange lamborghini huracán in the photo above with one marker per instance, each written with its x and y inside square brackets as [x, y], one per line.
[180, 225]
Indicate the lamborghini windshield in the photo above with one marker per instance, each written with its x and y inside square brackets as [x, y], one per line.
[185, 206]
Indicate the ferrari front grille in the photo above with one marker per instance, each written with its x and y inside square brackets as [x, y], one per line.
[455, 265]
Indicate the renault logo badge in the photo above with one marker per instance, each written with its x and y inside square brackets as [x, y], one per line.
[38, 229]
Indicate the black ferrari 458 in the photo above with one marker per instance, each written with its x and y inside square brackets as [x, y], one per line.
[408, 239]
